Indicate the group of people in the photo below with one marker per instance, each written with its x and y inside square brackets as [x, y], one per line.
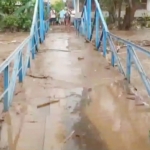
[64, 17]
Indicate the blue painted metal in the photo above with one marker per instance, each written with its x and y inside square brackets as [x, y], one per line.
[88, 8]
[106, 40]
[128, 70]
[6, 89]
[41, 14]
[20, 68]
[115, 56]
[86, 22]
[97, 29]
[138, 48]
[140, 69]
[21, 57]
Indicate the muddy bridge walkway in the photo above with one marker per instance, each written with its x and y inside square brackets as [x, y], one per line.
[75, 95]
[72, 98]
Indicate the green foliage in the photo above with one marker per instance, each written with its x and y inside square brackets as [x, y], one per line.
[15, 17]
[58, 6]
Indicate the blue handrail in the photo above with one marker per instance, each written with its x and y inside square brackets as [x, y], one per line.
[104, 39]
[27, 48]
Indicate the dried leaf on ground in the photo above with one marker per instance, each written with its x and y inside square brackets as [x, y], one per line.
[18, 92]
[39, 77]
[80, 58]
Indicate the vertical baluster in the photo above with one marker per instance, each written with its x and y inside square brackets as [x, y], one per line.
[29, 61]
[84, 24]
[88, 19]
[37, 31]
[112, 59]
[44, 21]
[20, 68]
[97, 29]
[32, 47]
[14, 78]
[104, 42]
[48, 10]
[128, 64]
[41, 14]
[6, 85]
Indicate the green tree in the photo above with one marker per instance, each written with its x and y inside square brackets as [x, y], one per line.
[115, 8]
[58, 6]
[16, 15]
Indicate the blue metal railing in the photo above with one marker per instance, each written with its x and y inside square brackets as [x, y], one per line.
[21, 57]
[104, 39]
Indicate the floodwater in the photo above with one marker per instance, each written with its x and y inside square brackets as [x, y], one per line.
[9, 42]
[91, 109]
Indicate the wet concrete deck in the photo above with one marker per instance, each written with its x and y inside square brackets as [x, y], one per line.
[92, 113]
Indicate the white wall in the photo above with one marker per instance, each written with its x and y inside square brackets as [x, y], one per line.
[76, 5]
[148, 5]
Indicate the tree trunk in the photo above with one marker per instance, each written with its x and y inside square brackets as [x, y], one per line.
[129, 16]
[112, 15]
[112, 12]
[119, 13]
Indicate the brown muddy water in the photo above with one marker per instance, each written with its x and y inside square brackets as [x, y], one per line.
[9, 42]
[91, 109]
[141, 38]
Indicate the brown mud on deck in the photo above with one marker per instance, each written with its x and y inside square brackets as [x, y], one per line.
[91, 111]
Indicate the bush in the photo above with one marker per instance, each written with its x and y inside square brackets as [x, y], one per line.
[16, 18]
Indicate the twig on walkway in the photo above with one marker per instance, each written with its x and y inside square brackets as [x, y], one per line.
[17, 93]
[39, 77]
[47, 103]
[48, 49]
[70, 135]
[80, 58]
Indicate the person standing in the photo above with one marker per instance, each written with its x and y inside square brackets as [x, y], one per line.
[62, 16]
[67, 19]
[53, 16]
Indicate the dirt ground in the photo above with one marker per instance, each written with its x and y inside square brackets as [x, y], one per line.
[90, 108]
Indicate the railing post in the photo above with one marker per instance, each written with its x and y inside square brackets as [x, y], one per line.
[20, 69]
[97, 29]
[104, 42]
[41, 14]
[48, 9]
[37, 35]
[85, 27]
[44, 21]
[32, 47]
[128, 64]
[88, 19]
[112, 59]
[29, 63]
[6, 85]
[81, 24]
